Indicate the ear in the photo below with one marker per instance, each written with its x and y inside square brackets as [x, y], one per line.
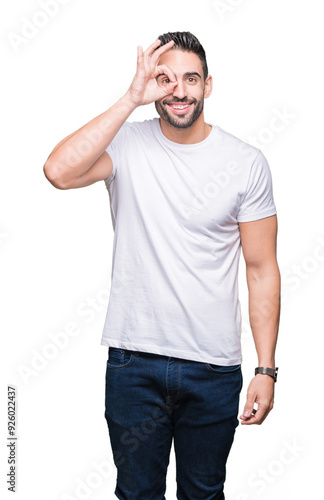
[208, 86]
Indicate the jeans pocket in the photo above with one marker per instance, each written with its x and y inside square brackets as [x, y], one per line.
[119, 358]
[222, 368]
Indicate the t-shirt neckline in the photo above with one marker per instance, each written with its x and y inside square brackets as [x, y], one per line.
[203, 143]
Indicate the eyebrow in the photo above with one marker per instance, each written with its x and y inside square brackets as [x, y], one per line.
[188, 73]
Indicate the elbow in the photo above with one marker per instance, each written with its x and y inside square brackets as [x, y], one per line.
[52, 175]
[257, 272]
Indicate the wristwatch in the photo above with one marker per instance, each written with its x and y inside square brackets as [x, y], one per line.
[267, 371]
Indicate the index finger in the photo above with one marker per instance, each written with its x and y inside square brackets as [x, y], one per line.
[163, 69]
[256, 418]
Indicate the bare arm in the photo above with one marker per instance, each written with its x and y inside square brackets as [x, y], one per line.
[80, 158]
[71, 159]
[263, 278]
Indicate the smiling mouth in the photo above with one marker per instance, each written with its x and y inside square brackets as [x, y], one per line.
[178, 108]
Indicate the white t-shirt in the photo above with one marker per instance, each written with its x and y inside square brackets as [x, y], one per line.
[175, 210]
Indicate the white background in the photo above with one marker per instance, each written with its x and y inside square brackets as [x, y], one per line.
[56, 246]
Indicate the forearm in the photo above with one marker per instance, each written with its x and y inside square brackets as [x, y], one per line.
[264, 312]
[75, 154]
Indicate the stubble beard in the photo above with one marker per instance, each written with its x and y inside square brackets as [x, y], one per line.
[177, 120]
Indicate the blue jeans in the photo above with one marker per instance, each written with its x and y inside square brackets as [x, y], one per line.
[150, 399]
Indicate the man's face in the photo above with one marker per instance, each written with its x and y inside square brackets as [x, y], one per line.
[188, 92]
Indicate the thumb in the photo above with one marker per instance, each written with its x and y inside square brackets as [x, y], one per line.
[248, 408]
[167, 90]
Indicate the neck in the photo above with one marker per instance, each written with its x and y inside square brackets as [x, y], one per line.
[198, 131]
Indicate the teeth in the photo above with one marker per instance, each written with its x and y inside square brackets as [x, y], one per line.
[181, 107]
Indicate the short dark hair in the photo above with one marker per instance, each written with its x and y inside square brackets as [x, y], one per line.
[184, 40]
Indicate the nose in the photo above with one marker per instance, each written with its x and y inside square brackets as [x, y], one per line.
[179, 90]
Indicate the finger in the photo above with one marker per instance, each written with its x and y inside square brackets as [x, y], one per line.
[139, 55]
[257, 418]
[151, 48]
[245, 418]
[158, 52]
[248, 422]
[248, 408]
[166, 70]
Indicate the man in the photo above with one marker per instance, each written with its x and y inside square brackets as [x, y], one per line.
[185, 195]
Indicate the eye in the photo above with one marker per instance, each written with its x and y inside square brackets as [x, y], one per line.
[191, 79]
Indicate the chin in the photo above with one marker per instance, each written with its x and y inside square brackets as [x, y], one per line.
[180, 123]
[176, 124]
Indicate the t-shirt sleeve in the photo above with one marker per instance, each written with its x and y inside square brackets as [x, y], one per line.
[115, 149]
[258, 201]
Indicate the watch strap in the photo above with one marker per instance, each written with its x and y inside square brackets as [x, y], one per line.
[267, 371]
